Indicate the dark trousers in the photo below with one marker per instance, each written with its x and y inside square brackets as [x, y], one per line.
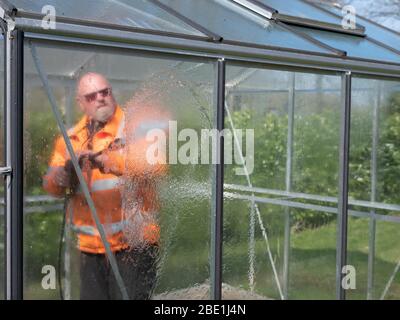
[137, 267]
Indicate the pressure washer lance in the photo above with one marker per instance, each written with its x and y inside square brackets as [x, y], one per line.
[87, 162]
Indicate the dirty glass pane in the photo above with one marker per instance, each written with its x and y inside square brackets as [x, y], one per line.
[139, 13]
[2, 162]
[156, 215]
[373, 185]
[235, 23]
[280, 214]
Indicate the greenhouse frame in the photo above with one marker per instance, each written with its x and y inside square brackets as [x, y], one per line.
[321, 202]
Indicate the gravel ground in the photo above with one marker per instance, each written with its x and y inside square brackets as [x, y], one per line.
[202, 292]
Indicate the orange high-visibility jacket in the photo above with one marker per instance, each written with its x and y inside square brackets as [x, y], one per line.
[105, 188]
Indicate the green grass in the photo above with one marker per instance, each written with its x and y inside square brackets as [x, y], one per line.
[312, 262]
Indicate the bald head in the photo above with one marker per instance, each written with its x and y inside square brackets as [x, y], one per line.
[94, 96]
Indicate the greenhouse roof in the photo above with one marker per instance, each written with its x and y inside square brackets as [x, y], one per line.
[297, 26]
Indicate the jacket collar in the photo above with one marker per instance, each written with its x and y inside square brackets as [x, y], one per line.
[111, 127]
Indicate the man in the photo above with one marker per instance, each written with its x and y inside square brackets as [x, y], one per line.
[107, 163]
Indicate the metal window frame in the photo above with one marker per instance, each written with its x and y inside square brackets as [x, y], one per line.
[342, 206]
[14, 12]
[383, 45]
[218, 188]
[366, 38]
[213, 37]
[64, 28]
[232, 52]
[210, 36]
[344, 151]
[14, 155]
[270, 13]
[256, 7]
[8, 8]
[286, 20]
[360, 27]
[320, 25]
[108, 26]
[242, 57]
[5, 170]
[303, 35]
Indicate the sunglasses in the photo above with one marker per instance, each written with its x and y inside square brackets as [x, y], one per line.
[90, 97]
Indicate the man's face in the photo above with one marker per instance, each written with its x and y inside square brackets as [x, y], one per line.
[95, 97]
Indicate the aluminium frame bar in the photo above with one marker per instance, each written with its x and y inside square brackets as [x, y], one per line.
[251, 247]
[213, 36]
[108, 26]
[313, 197]
[315, 41]
[14, 159]
[230, 52]
[356, 213]
[218, 188]
[3, 28]
[344, 149]
[256, 7]
[288, 202]
[313, 207]
[312, 4]
[318, 25]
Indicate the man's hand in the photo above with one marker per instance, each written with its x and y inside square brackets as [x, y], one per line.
[62, 178]
[105, 164]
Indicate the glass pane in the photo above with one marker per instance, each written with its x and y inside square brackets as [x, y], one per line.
[373, 186]
[234, 23]
[316, 134]
[289, 189]
[258, 99]
[386, 284]
[358, 47]
[247, 271]
[313, 256]
[140, 14]
[2, 162]
[358, 254]
[159, 216]
[381, 34]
